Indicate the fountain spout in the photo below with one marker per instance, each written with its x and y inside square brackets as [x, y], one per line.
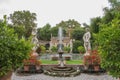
[60, 47]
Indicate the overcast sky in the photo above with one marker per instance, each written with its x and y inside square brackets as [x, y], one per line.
[54, 11]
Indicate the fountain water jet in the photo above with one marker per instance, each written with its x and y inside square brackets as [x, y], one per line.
[60, 46]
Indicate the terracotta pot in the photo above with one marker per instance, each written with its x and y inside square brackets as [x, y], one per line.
[26, 68]
[37, 67]
[7, 76]
[86, 67]
[96, 68]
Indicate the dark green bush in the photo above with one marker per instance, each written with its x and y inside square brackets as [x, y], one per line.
[109, 45]
[12, 50]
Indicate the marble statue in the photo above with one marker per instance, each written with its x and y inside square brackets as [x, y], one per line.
[86, 39]
[71, 46]
[34, 39]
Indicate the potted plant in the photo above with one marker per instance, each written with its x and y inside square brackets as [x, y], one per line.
[12, 50]
[87, 61]
[95, 60]
[37, 64]
[26, 65]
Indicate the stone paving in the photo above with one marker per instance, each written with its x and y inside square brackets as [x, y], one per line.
[79, 77]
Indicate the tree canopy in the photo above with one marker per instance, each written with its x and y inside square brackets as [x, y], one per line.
[24, 21]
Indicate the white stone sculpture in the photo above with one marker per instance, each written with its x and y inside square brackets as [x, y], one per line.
[86, 39]
[71, 46]
[34, 39]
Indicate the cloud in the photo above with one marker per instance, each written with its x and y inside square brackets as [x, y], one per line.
[4, 1]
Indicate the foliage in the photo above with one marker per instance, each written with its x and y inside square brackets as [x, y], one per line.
[12, 50]
[54, 31]
[44, 33]
[38, 50]
[92, 59]
[95, 57]
[81, 49]
[87, 60]
[20, 30]
[109, 42]
[76, 44]
[95, 24]
[70, 23]
[115, 4]
[66, 49]
[24, 20]
[78, 34]
[43, 49]
[54, 49]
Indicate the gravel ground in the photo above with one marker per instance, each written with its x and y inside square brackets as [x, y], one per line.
[79, 77]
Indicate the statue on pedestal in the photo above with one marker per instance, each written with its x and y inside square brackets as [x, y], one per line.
[86, 39]
[34, 41]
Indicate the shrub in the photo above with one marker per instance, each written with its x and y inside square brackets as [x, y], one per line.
[12, 50]
[54, 49]
[81, 49]
[109, 45]
[43, 49]
[76, 44]
[67, 49]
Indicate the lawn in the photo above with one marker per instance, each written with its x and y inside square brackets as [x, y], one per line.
[67, 62]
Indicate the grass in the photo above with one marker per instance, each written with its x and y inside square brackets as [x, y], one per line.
[49, 62]
[74, 62]
[67, 62]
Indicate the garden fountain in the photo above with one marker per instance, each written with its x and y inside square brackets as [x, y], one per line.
[61, 70]
[60, 47]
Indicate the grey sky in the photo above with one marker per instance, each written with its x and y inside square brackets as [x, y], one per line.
[54, 11]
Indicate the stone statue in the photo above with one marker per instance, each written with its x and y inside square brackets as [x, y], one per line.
[86, 39]
[71, 46]
[34, 39]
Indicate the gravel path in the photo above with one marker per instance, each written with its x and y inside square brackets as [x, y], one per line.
[80, 77]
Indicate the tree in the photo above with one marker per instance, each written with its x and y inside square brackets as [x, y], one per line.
[115, 4]
[78, 34]
[54, 31]
[70, 23]
[44, 33]
[95, 24]
[85, 25]
[109, 42]
[20, 30]
[69, 26]
[110, 13]
[76, 44]
[25, 20]
[12, 50]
